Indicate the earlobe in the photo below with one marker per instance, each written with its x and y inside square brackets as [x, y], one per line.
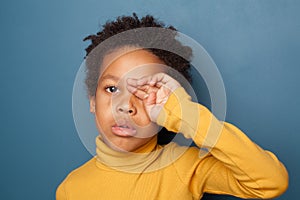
[92, 105]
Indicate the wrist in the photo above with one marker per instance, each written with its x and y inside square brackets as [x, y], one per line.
[173, 105]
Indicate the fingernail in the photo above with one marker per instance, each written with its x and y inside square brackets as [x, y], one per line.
[146, 96]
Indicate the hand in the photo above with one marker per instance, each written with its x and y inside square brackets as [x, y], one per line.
[154, 90]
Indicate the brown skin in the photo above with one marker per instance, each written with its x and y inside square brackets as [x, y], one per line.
[111, 104]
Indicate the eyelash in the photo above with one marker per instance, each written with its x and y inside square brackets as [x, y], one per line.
[107, 88]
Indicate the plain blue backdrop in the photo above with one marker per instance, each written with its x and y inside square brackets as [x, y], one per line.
[255, 44]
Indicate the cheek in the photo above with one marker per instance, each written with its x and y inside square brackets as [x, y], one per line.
[103, 109]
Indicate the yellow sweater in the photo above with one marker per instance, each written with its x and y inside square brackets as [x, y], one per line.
[234, 164]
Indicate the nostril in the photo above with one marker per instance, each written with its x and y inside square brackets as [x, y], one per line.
[132, 111]
[126, 110]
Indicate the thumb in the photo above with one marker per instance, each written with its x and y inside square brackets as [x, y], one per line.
[151, 99]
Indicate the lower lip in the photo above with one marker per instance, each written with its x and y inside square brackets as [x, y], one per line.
[123, 132]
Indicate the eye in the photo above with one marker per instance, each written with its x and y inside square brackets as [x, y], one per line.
[111, 89]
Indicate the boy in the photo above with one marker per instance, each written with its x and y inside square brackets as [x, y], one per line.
[131, 96]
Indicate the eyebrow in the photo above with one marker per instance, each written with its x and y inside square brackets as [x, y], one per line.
[110, 76]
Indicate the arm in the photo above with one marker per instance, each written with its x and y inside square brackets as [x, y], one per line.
[235, 165]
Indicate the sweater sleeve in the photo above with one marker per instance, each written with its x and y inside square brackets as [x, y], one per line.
[233, 165]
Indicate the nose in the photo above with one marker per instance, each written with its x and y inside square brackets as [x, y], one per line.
[124, 104]
[126, 109]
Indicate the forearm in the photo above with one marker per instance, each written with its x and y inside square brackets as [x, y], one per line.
[257, 171]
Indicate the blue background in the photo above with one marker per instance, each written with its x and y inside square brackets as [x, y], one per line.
[255, 44]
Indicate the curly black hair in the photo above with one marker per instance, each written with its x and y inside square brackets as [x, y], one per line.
[94, 56]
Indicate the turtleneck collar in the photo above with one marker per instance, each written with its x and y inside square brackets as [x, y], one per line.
[141, 160]
[148, 158]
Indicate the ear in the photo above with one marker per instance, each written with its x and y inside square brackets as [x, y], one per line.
[92, 104]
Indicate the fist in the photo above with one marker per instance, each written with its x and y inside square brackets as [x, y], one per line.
[153, 90]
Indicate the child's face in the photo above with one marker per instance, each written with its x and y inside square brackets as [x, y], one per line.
[120, 116]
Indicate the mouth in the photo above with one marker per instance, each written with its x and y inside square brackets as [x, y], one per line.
[124, 130]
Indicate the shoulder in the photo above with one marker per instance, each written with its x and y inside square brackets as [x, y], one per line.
[76, 179]
[83, 172]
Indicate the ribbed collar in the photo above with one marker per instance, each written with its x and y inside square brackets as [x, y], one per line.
[148, 158]
[143, 159]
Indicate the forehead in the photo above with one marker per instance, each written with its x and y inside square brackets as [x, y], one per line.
[131, 62]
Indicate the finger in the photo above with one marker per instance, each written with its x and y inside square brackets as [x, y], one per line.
[165, 80]
[131, 89]
[144, 88]
[151, 80]
[151, 99]
[158, 78]
[146, 80]
[132, 82]
[141, 94]
[162, 79]
[138, 93]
